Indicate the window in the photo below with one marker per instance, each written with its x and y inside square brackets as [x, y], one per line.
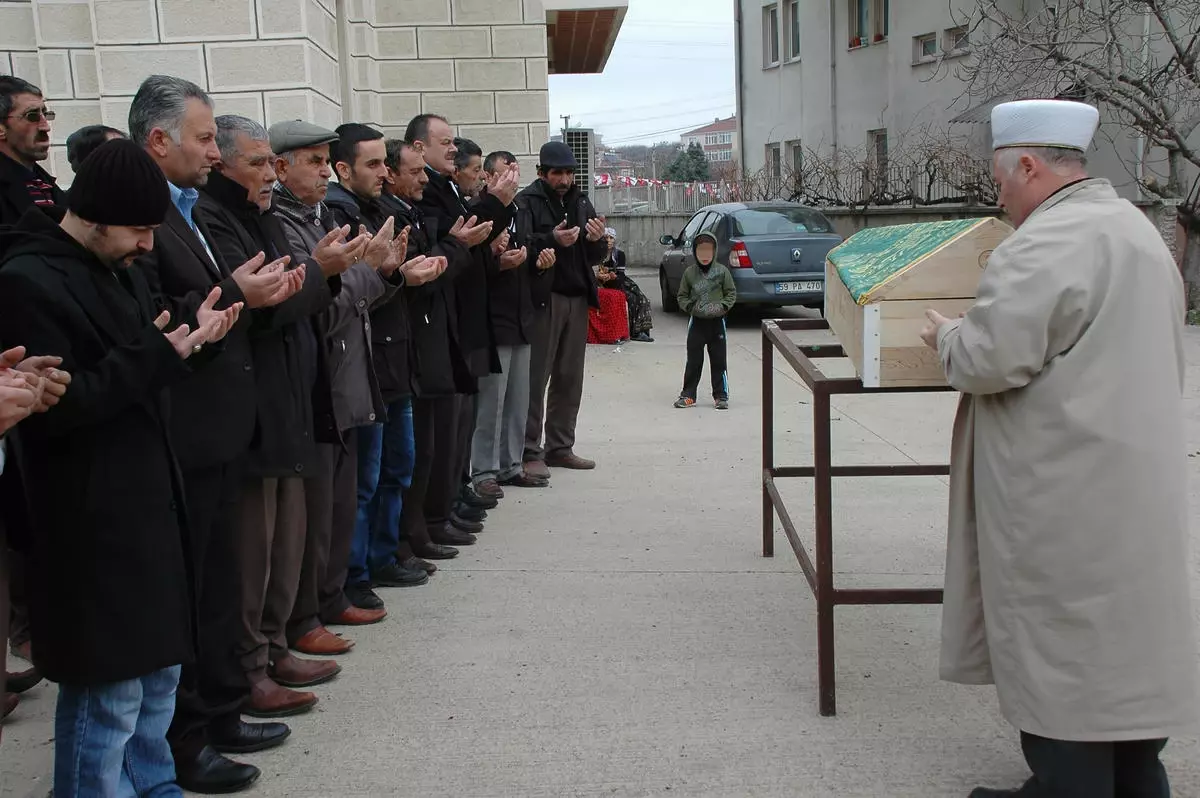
[880, 11]
[858, 22]
[958, 41]
[793, 29]
[925, 48]
[773, 161]
[879, 149]
[770, 36]
[711, 223]
[797, 157]
[693, 227]
[786, 219]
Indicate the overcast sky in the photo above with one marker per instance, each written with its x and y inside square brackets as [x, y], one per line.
[671, 70]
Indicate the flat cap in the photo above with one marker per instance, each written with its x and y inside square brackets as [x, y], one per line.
[296, 135]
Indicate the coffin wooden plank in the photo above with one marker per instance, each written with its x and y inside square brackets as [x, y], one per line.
[844, 315]
[951, 271]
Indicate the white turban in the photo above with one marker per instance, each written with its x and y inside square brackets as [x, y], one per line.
[1044, 123]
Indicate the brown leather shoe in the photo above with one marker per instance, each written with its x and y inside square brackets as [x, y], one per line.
[490, 489]
[22, 650]
[537, 469]
[321, 642]
[295, 672]
[22, 681]
[570, 461]
[356, 616]
[8, 704]
[269, 700]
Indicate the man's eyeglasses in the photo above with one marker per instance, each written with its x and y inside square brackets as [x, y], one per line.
[34, 115]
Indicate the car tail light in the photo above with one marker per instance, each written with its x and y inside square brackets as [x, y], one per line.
[739, 256]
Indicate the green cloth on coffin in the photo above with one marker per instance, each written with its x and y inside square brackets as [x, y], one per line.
[870, 258]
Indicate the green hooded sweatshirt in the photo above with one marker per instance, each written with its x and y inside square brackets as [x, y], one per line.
[707, 293]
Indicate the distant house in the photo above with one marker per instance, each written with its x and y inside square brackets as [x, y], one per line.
[719, 140]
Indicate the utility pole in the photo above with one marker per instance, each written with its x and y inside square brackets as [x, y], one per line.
[566, 124]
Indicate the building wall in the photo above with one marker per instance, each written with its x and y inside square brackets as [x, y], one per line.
[879, 86]
[481, 63]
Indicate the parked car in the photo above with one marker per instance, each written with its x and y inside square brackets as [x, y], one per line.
[775, 250]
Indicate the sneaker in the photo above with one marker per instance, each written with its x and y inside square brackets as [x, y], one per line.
[396, 575]
[683, 402]
[643, 338]
[722, 404]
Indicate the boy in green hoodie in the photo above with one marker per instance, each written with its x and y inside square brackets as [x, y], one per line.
[707, 294]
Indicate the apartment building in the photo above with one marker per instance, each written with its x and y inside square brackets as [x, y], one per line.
[482, 63]
[718, 139]
[860, 76]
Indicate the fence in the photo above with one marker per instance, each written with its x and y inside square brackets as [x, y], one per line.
[928, 183]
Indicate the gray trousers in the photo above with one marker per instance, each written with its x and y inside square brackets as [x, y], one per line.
[272, 527]
[501, 413]
[557, 367]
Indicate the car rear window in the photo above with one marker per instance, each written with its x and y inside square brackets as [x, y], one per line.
[779, 221]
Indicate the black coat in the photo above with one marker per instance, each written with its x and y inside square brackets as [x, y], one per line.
[282, 339]
[108, 585]
[441, 203]
[14, 196]
[512, 292]
[439, 367]
[572, 272]
[213, 415]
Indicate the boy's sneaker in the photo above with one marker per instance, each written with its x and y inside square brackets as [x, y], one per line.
[722, 404]
[684, 401]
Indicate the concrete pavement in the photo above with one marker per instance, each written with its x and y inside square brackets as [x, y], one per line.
[620, 635]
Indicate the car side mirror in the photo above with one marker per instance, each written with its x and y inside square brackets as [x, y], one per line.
[667, 240]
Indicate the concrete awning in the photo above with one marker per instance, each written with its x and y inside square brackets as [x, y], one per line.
[580, 34]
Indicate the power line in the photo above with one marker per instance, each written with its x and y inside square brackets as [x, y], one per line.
[678, 108]
[675, 115]
[627, 139]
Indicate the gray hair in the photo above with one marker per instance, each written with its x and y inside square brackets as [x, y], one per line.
[228, 128]
[161, 102]
[1060, 160]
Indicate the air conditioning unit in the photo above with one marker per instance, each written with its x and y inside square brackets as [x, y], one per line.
[582, 142]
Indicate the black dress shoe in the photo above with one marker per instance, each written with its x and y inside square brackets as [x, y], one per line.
[452, 537]
[469, 513]
[246, 738]
[362, 596]
[435, 551]
[465, 525]
[396, 575]
[213, 774]
[984, 792]
[417, 564]
[469, 497]
[23, 681]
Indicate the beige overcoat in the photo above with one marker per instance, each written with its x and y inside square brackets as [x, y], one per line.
[1067, 572]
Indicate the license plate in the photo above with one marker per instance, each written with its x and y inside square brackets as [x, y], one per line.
[803, 287]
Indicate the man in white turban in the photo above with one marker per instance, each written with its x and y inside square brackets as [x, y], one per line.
[1067, 575]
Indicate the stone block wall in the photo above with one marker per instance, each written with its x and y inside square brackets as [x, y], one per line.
[480, 63]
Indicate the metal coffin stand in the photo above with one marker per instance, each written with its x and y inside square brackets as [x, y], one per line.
[822, 471]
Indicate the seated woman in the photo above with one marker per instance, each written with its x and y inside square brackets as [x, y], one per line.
[609, 324]
[612, 275]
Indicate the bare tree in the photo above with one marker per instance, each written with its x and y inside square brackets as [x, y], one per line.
[1137, 59]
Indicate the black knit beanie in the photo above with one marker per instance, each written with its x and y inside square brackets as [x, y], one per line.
[120, 184]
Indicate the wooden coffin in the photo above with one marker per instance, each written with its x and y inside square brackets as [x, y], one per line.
[880, 281]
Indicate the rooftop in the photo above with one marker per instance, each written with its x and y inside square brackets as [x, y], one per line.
[580, 34]
[716, 126]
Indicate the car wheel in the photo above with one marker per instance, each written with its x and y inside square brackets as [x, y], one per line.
[670, 302]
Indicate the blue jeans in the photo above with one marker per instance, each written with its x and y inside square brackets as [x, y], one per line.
[386, 455]
[110, 740]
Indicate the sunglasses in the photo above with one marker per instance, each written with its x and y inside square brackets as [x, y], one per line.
[34, 115]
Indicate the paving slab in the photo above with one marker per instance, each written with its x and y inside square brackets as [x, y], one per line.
[620, 634]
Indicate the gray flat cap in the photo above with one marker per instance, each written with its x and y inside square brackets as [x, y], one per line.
[296, 135]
